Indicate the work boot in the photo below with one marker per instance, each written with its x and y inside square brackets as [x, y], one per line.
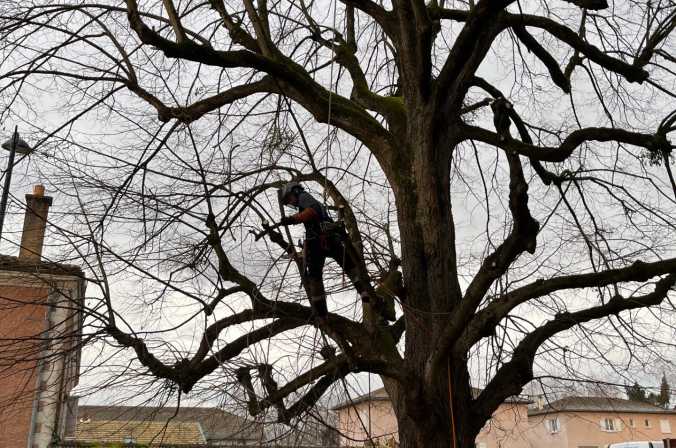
[317, 298]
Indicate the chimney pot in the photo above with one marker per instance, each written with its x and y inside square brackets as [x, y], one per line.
[34, 225]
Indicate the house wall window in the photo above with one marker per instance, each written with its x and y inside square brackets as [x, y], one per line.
[631, 423]
[646, 423]
[665, 426]
[610, 425]
[553, 425]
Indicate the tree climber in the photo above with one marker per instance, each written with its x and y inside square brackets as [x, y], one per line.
[323, 238]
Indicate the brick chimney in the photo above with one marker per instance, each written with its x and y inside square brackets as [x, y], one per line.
[34, 225]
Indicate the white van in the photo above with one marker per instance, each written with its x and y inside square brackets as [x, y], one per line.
[653, 444]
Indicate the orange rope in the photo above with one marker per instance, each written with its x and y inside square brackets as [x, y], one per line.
[450, 404]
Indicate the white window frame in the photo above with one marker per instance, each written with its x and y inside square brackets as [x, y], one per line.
[553, 425]
[665, 426]
[609, 424]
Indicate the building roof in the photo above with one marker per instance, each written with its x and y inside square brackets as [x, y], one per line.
[381, 395]
[599, 404]
[10, 263]
[375, 395]
[216, 424]
[141, 432]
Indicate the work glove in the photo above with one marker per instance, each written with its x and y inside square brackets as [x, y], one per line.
[287, 220]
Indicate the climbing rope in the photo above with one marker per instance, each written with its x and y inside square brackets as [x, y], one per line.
[328, 117]
[450, 405]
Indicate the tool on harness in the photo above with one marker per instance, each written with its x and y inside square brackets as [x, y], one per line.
[332, 227]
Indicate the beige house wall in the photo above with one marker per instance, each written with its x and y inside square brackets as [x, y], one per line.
[585, 430]
[507, 429]
[368, 419]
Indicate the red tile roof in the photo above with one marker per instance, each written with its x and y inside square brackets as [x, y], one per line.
[596, 404]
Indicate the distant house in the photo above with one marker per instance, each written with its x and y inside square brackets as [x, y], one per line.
[371, 417]
[139, 432]
[317, 429]
[40, 335]
[593, 422]
[166, 425]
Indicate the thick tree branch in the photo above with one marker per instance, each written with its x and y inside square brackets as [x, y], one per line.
[521, 238]
[485, 320]
[288, 316]
[513, 375]
[384, 18]
[546, 176]
[593, 5]
[259, 21]
[631, 72]
[147, 359]
[323, 376]
[456, 15]
[234, 348]
[547, 59]
[195, 111]
[414, 45]
[236, 32]
[468, 51]
[211, 333]
[653, 143]
[175, 21]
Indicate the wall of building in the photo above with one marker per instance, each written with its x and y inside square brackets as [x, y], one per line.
[585, 429]
[368, 419]
[59, 373]
[22, 315]
[39, 355]
[507, 429]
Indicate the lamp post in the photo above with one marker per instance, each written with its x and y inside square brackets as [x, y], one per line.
[13, 145]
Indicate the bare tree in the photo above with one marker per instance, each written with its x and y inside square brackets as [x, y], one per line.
[554, 223]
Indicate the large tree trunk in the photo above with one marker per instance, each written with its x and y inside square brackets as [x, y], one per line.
[428, 262]
[424, 415]
[419, 433]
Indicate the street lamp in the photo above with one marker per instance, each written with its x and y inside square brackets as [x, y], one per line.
[13, 145]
